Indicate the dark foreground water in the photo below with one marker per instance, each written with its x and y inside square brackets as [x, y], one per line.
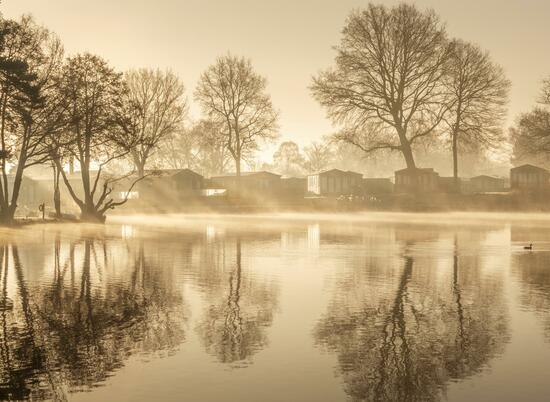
[295, 308]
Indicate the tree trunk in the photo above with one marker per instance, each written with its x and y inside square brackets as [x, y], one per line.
[56, 193]
[5, 217]
[455, 130]
[91, 215]
[89, 207]
[408, 155]
[141, 169]
[238, 166]
[8, 213]
[5, 188]
[238, 176]
[71, 164]
[88, 211]
[139, 163]
[406, 149]
[455, 158]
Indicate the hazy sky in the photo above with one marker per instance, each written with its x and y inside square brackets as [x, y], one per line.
[288, 40]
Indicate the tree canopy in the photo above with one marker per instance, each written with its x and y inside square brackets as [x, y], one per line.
[233, 95]
[385, 89]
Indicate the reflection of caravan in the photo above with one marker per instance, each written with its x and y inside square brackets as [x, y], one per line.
[334, 182]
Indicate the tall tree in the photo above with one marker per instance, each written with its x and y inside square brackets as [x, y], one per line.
[178, 150]
[386, 86]
[212, 156]
[232, 94]
[31, 107]
[94, 94]
[478, 94]
[531, 134]
[156, 104]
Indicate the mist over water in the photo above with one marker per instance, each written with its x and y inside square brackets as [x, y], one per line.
[422, 307]
[367, 220]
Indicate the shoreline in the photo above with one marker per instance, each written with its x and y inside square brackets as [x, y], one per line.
[462, 218]
[436, 217]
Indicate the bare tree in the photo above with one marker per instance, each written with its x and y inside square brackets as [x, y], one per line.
[31, 107]
[386, 86]
[94, 93]
[478, 94]
[178, 150]
[232, 94]
[212, 156]
[531, 134]
[156, 104]
[319, 156]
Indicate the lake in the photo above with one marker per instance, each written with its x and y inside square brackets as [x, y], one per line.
[369, 307]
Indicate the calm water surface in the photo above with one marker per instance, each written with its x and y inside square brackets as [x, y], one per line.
[293, 308]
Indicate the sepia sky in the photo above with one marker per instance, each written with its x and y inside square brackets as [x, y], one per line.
[287, 40]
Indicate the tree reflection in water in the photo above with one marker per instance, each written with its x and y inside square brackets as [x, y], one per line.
[241, 309]
[406, 344]
[534, 274]
[74, 330]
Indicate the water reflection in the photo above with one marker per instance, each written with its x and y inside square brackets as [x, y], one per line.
[401, 310]
[531, 267]
[403, 328]
[534, 274]
[236, 305]
[238, 313]
[83, 320]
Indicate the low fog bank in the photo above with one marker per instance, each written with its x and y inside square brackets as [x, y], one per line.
[436, 218]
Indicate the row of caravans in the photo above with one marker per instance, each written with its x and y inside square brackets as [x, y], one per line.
[526, 178]
[167, 187]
